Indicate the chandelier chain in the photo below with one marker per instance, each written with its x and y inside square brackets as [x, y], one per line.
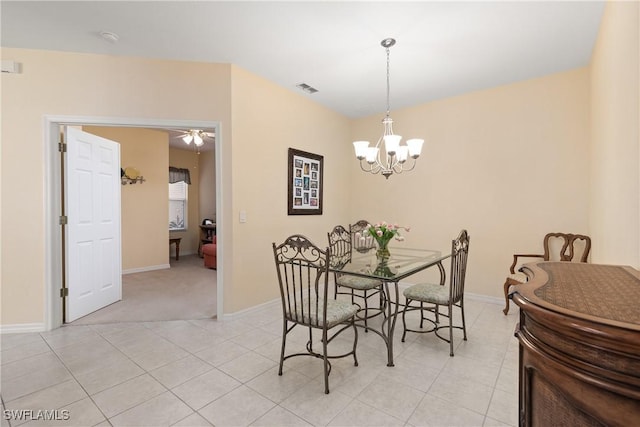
[388, 84]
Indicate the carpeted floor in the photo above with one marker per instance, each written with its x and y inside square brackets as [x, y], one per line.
[186, 291]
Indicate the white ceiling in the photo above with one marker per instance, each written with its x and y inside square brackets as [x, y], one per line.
[443, 48]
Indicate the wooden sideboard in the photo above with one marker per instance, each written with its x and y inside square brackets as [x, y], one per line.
[579, 335]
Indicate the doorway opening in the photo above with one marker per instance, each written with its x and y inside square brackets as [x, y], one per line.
[54, 187]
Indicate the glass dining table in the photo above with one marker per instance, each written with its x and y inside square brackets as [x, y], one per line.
[402, 263]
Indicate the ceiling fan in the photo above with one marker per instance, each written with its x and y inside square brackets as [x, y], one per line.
[197, 136]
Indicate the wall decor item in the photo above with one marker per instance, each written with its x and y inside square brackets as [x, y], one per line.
[305, 173]
[131, 176]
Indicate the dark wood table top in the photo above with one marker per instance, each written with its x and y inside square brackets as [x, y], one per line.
[607, 294]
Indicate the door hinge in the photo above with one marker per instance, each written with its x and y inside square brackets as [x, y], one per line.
[63, 220]
[62, 147]
[64, 292]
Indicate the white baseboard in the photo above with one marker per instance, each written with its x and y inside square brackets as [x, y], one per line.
[251, 310]
[143, 269]
[484, 298]
[22, 328]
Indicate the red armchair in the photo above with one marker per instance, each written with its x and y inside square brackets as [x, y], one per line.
[210, 251]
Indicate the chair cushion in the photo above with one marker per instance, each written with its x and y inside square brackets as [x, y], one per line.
[355, 282]
[337, 312]
[428, 292]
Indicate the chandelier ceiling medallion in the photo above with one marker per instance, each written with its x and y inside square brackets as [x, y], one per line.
[393, 158]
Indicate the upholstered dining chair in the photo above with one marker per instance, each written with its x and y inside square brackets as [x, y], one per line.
[557, 247]
[341, 247]
[441, 295]
[303, 271]
[359, 228]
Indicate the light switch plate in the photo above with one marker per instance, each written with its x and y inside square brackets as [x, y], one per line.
[243, 216]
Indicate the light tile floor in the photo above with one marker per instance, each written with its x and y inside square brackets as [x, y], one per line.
[207, 372]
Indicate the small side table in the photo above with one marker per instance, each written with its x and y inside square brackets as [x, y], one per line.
[176, 240]
[206, 236]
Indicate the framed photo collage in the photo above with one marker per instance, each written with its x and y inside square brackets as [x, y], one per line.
[305, 183]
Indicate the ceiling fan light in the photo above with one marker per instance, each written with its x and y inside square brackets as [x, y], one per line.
[187, 139]
[197, 139]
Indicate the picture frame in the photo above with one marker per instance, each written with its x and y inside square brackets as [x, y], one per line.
[306, 170]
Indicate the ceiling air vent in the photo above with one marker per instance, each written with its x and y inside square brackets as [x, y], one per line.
[305, 87]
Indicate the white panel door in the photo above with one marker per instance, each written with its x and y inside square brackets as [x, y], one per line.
[92, 196]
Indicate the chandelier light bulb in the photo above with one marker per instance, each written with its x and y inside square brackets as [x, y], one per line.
[391, 143]
[402, 154]
[415, 147]
[361, 149]
[372, 154]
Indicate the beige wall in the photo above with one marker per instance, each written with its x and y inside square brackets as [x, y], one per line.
[188, 159]
[207, 193]
[267, 120]
[143, 205]
[57, 83]
[509, 164]
[615, 124]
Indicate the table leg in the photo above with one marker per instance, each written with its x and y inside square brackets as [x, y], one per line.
[391, 321]
[178, 250]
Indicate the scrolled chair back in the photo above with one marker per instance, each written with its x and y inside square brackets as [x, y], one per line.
[566, 246]
[359, 228]
[302, 270]
[340, 245]
[459, 254]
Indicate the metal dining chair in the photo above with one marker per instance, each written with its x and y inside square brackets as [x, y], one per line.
[440, 294]
[341, 247]
[358, 228]
[303, 271]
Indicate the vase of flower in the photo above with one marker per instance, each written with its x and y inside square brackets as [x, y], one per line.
[383, 233]
[383, 253]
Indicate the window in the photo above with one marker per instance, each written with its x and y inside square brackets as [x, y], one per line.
[178, 206]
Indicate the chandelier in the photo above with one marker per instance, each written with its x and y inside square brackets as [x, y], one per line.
[393, 158]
